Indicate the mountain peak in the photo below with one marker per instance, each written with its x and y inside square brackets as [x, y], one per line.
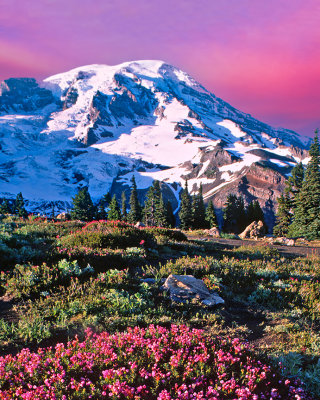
[151, 66]
[97, 125]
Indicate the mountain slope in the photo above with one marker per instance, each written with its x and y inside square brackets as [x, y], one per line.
[97, 125]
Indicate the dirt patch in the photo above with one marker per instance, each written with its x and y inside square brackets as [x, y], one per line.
[7, 311]
[243, 315]
[306, 251]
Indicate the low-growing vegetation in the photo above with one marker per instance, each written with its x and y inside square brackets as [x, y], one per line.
[152, 363]
[60, 279]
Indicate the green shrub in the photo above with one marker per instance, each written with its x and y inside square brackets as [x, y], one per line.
[105, 236]
[27, 281]
[257, 251]
[170, 234]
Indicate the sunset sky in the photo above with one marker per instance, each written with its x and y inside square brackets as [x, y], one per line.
[263, 57]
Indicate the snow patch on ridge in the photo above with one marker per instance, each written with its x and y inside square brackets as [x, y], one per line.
[232, 127]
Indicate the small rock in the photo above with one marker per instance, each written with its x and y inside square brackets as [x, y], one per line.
[285, 241]
[290, 242]
[139, 225]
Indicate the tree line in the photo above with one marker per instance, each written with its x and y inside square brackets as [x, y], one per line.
[237, 216]
[193, 213]
[15, 207]
[154, 212]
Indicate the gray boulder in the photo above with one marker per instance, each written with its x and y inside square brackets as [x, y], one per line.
[186, 287]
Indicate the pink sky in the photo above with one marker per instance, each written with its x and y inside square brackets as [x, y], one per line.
[263, 57]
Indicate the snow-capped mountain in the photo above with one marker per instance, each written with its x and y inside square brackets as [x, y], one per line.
[98, 125]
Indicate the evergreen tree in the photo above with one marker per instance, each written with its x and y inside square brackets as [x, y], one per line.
[83, 208]
[194, 208]
[230, 214]
[250, 213]
[258, 213]
[254, 212]
[149, 209]
[306, 220]
[154, 213]
[211, 217]
[294, 183]
[114, 211]
[156, 198]
[19, 206]
[5, 207]
[53, 211]
[235, 218]
[171, 221]
[242, 221]
[198, 211]
[162, 214]
[124, 214]
[101, 211]
[102, 205]
[106, 198]
[185, 213]
[287, 201]
[283, 218]
[134, 214]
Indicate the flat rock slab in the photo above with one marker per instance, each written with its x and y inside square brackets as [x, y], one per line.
[186, 287]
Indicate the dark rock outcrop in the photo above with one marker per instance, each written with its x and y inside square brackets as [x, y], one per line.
[71, 98]
[131, 100]
[99, 119]
[23, 95]
[214, 158]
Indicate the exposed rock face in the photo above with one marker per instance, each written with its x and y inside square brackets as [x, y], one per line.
[254, 230]
[99, 120]
[212, 159]
[217, 157]
[298, 152]
[131, 103]
[184, 288]
[23, 94]
[185, 128]
[256, 182]
[71, 98]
